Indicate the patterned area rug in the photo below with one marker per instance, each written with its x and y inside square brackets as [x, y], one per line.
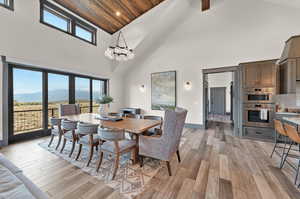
[130, 179]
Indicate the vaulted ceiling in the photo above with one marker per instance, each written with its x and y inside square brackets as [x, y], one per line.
[109, 15]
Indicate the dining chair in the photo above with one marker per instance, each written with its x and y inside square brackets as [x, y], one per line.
[87, 135]
[55, 131]
[115, 144]
[280, 136]
[68, 109]
[164, 146]
[130, 115]
[68, 128]
[116, 114]
[295, 139]
[157, 129]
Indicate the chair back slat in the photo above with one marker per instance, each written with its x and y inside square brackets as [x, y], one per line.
[69, 125]
[86, 129]
[111, 134]
[279, 127]
[69, 109]
[292, 132]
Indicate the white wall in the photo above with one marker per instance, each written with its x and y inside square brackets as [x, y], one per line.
[221, 80]
[230, 33]
[25, 40]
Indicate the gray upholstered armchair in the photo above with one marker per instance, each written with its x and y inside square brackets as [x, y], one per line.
[164, 146]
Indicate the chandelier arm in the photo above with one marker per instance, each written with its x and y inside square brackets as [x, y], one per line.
[118, 39]
[124, 40]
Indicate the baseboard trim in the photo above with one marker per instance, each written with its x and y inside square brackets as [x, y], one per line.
[3, 143]
[193, 126]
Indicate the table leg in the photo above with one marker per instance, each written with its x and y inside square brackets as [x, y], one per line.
[135, 154]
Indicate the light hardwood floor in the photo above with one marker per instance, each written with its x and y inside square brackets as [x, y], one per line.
[214, 165]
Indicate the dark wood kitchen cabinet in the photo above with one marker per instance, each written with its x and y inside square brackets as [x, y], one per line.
[287, 77]
[260, 74]
[298, 70]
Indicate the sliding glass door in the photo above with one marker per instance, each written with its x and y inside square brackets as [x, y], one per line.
[27, 101]
[83, 94]
[58, 92]
[98, 92]
[35, 94]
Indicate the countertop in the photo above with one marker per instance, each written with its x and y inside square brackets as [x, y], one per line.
[294, 120]
[287, 113]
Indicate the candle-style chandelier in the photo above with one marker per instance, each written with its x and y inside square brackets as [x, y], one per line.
[119, 52]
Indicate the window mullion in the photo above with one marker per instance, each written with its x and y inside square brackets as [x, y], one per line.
[91, 95]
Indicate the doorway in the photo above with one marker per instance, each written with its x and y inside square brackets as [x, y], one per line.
[221, 103]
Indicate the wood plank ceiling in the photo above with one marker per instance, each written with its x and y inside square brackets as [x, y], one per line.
[104, 13]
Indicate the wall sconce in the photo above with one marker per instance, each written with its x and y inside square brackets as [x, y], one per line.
[188, 85]
[142, 88]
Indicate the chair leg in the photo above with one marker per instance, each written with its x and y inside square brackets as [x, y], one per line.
[59, 141]
[90, 155]
[116, 166]
[178, 156]
[169, 168]
[79, 151]
[275, 145]
[51, 140]
[100, 161]
[296, 178]
[141, 161]
[283, 151]
[63, 146]
[72, 149]
[287, 153]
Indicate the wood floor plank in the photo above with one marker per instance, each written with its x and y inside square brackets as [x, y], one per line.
[263, 187]
[225, 187]
[186, 190]
[202, 179]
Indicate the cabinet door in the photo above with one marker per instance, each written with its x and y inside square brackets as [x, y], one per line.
[298, 70]
[251, 75]
[268, 74]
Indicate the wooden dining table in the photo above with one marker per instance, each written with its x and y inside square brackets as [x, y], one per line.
[130, 125]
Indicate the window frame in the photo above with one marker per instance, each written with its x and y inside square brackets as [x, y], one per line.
[45, 72]
[74, 21]
[54, 12]
[9, 4]
[87, 29]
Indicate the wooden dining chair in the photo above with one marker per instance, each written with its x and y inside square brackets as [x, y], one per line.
[115, 144]
[55, 131]
[68, 128]
[87, 135]
[295, 139]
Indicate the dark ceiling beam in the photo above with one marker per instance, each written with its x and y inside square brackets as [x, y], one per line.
[205, 5]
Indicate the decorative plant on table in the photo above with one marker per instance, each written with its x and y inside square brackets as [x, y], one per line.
[104, 102]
